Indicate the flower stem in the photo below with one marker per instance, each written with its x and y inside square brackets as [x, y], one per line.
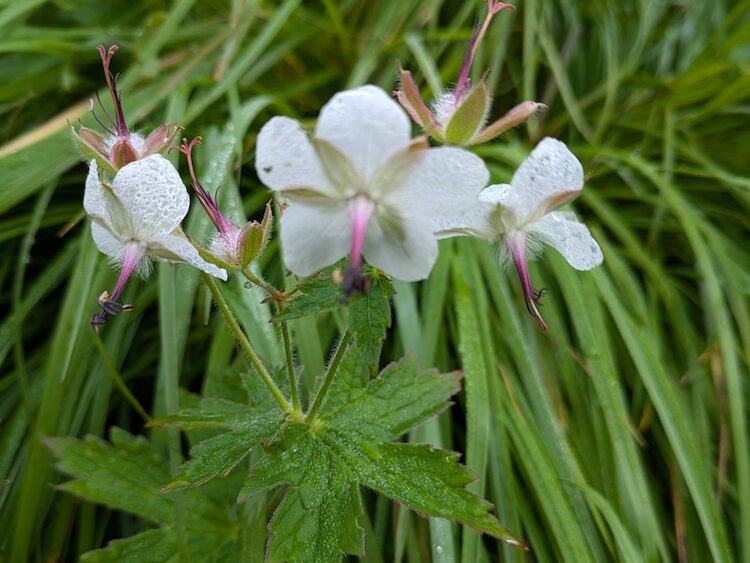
[244, 343]
[290, 366]
[261, 283]
[273, 293]
[332, 369]
[119, 383]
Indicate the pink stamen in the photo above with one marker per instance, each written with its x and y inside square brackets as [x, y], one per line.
[360, 211]
[464, 84]
[133, 255]
[516, 245]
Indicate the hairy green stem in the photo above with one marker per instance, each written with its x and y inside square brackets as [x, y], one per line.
[119, 383]
[260, 282]
[332, 368]
[290, 366]
[273, 292]
[244, 343]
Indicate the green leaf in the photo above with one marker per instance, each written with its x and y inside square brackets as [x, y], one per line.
[369, 311]
[218, 455]
[314, 295]
[429, 481]
[351, 380]
[397, 400]
[151, 546]
[317, 520]
[128, 475]
[124, 475]
[324, 462]
[370, 317]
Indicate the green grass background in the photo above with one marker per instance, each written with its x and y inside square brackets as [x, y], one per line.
[620, 435]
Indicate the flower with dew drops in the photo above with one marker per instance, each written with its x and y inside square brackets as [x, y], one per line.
[458, 117]
[119, 146]
[235, 247]
[521, 214]
[136, 219]
[361, 185]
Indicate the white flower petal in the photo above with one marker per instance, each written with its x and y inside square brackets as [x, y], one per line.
[173, 248]
[366, 125]
[571, 238]
[548, 178]
[94, 198]
[496, 194]
[285, 159]
[444, 188]
[152, 191]
[314, 235]
[407, 252]
[107, 242]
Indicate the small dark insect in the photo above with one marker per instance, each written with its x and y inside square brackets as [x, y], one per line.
[267, 169]
[111, 308]
[538, 294]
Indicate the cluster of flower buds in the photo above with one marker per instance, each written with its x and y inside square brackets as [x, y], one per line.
[459, 116]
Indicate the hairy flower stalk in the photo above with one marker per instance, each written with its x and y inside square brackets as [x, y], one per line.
[235, 247]
[119, 146]
[360, 185]
[458, 117]
[463, 85]
[522, 214]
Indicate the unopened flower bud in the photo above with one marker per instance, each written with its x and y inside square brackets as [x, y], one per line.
[254, 237]
[120, 146]
[458, 116]
[231, 246]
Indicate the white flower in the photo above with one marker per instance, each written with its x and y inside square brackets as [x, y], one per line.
[361, 185]
[521, 214]
[137, 219]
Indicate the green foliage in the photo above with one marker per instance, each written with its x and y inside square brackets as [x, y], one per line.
[315, 294]
[370, 317]
[369, 311]
[128, 475]
[220, 454]
[323, 463]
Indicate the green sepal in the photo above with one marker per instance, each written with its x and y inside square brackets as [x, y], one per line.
[254, 237]
[89, 153]
[469, 116]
